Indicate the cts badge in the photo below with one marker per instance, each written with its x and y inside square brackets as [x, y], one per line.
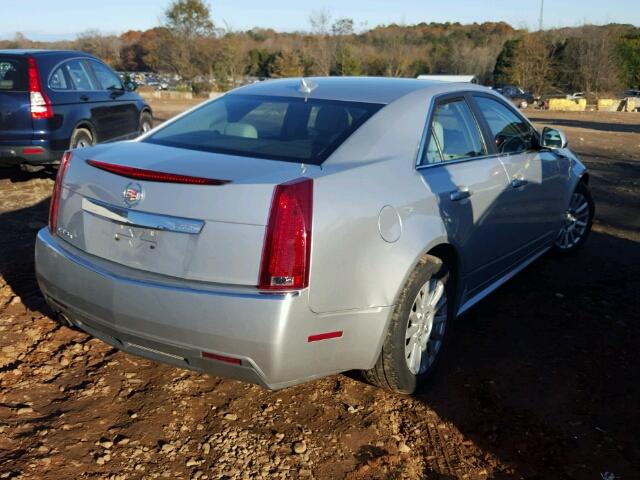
[132, 194]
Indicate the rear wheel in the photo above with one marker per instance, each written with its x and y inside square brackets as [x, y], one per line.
[578, 219]
[81, 138]
[418, 329]
[146, 122]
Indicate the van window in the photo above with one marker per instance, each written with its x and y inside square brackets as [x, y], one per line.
[13, 75]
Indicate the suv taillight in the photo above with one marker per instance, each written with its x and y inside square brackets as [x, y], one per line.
[287, 247]
[54, 207]
[40, 103]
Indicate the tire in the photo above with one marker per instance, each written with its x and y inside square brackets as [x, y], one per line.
[81, 138]
[146, 122]
[391, 370]
[578, 219]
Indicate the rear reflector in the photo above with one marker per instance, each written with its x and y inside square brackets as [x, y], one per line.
[32, 150]
[287, 246]
[154, 176]
[54, 206]
[324, 336]
[221, 358]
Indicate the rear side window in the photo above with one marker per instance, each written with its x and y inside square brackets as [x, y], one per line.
[13, 75]
[453, 134]
[278, 128]
[80, 78]
[511, 133]
[108, 80]
[58, 80]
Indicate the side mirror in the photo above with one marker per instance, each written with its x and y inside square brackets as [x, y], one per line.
[130, 86]
[553, 139]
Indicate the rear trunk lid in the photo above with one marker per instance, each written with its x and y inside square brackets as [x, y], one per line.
[211, 233]
[16, 126]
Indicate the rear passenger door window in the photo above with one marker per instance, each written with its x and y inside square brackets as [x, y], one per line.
[454, 134]
[79, 75]
[510, 132]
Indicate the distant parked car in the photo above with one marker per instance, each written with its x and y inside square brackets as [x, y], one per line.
[518, 96]
[576, 96]
[631, 93]
[293, 229]
[52, 101]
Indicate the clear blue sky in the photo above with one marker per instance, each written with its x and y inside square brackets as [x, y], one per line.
[58, 19]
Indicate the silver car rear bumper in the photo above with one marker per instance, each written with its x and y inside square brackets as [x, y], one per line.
[175, 322]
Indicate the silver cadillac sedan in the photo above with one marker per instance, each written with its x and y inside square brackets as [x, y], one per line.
[298, 228]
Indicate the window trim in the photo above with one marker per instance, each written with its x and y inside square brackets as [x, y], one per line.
[482, 124]
[436, 101]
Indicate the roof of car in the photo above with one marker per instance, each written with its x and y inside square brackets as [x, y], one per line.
[37, 52]
[382, 90]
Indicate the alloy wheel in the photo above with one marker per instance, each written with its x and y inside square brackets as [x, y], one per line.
[576, 221]
[426, 326]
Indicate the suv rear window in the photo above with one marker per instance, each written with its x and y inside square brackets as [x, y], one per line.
[13, 75]
[279, 128]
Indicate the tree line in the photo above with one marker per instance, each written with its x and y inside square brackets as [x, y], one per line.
[593, 59]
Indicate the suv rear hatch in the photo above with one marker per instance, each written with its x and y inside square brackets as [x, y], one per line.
[211, 233]
[16, 126]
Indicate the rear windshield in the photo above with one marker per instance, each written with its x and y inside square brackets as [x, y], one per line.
[279, 128]
[13, 75]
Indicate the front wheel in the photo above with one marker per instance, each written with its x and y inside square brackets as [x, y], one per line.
[577, 222]
[418, 329]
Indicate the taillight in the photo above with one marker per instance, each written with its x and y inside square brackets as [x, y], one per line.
[54, 206]
[40, 103]
[287, 246]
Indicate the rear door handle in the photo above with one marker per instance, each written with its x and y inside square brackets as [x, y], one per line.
[518, 182]
[460, 194]
[84, 98]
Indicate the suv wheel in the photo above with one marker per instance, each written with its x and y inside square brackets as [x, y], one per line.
[577, 221]
[146, 122]
[81, 138]
[418, 329]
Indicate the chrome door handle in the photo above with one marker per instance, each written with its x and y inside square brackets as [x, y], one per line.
[460, 194]
[518, 182]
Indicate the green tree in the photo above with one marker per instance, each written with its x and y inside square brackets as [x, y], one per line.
[287, 64]
[189, 19]
[188, 23]
[628, 50]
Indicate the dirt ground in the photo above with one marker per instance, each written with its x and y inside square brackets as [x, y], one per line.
[541, 380]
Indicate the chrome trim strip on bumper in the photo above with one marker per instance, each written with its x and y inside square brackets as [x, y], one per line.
[142, 219]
